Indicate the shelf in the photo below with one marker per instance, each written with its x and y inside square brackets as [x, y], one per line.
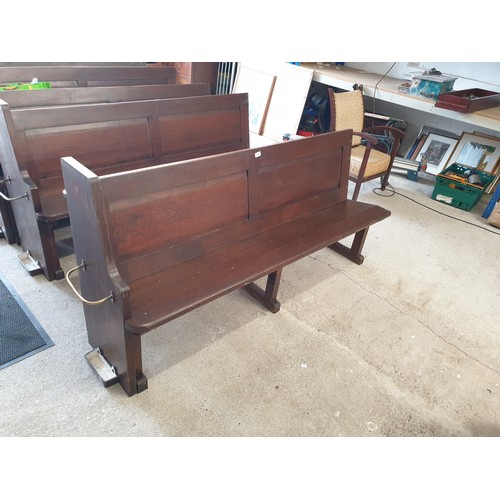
[386, 89]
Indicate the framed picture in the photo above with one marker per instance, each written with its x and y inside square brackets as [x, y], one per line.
[426, 129]
[418, 146]
[477, 151]
[437, 149]
[415, 148]
[259, 86]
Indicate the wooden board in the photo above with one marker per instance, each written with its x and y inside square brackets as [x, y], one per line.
[259, 86]
[288, 97]
[287, 100]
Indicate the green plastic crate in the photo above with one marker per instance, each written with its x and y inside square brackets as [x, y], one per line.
[457, 192]
[26, 86]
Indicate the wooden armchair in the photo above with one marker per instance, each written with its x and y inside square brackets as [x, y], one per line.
[371, 157]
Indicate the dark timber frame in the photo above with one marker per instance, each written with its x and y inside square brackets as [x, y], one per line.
[108, 137]
[72, 96]
[154, 244]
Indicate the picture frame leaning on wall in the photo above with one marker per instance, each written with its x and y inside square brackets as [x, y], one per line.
[437, 149]
[477, 150]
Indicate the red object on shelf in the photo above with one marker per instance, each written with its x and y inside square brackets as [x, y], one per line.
[468, 100]
[305, 133]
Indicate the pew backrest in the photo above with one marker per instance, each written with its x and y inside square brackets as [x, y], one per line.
[88, 76]
[124, 134]
[108, 137]
[160, 216]
[92, 95]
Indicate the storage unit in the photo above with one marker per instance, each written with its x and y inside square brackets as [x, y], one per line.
[452, 186]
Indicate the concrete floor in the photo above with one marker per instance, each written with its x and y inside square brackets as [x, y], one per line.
[406, 344]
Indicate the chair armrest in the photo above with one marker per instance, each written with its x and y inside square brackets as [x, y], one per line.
[387, 131]
[384, 128]
[372, 140]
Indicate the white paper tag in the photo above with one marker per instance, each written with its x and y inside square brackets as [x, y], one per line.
[445, 199]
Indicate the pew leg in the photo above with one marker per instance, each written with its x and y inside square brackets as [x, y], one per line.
[8, 226]
[51, 265]
[120, 348]
[354, 251]
[125, 356]
[268, 296]
[40, 251]
[133, 379]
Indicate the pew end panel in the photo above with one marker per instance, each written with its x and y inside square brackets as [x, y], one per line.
[22, 196]
[100, 283]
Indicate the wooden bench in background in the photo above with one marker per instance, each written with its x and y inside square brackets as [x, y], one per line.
[106, 137]
[154, 244]
[71, 96]
[74, 76]
[88, 76]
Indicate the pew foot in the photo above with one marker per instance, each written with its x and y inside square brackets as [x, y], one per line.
[268, 296]
[101, 367]
[134, 383]
[142, 383]
[353, 252]
[132, 380]
[59, 274]
[108, 375]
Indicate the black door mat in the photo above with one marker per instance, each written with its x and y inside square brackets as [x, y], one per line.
[21, 335]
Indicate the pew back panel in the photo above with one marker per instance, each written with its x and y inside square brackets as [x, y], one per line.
[88, 76]
[84, 95]
[91, 95]
[108, 137]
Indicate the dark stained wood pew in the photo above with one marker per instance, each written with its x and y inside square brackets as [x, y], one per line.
[154, 244]
[107, 137]
[88, 76]
[71, 96]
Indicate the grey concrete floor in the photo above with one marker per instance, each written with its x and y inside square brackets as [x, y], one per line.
[407, 344]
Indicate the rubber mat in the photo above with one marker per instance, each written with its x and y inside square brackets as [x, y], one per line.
[21, 335]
